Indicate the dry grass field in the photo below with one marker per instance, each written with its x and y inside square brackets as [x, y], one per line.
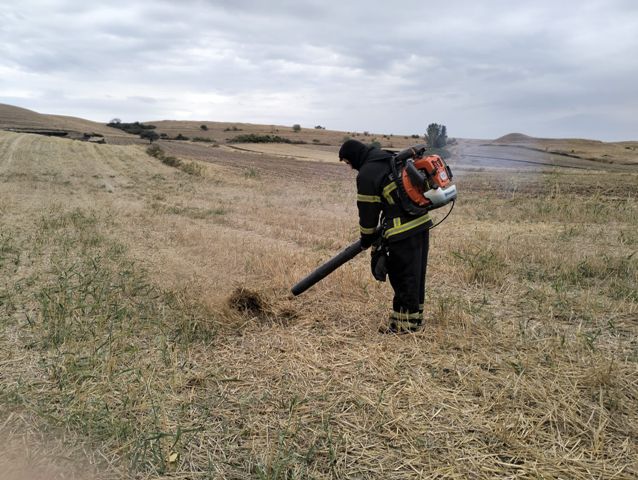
[146, 330]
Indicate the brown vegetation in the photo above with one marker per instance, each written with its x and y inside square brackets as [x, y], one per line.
[145, 320]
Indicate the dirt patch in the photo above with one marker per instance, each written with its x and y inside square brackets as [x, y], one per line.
[271, 165]
[254, 304]
[247, 302]
[298, 152]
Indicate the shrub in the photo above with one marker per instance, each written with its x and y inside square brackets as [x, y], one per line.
[155, 151]
[254, 138]
[134, 128]
[203, 127]
[192, 168]
[251, 173]
[150, 135]
[296, 127]
[171, 161]
[181, 137]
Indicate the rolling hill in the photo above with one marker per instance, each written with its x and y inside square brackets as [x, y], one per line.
[22, 119]
[511, 151]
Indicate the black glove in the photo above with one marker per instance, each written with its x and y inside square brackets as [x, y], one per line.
[378, 262]
[367, 240]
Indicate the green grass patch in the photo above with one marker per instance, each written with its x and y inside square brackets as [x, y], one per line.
[105, 342]
[482, 266]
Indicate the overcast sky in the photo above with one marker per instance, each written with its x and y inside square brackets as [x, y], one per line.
[546, 68]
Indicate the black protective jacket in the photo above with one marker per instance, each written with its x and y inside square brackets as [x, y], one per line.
[378, 201]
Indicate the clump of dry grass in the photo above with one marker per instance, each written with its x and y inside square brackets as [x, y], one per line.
[161, 340]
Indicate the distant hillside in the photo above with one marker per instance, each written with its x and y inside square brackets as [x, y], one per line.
[224, 132]
[624, 153]
[514, 138]
[22, 119]
[205, 132]
[522, 138]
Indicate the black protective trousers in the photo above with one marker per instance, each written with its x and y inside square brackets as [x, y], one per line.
[407, 266]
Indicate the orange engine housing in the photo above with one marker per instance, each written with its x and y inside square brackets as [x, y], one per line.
[437, 177]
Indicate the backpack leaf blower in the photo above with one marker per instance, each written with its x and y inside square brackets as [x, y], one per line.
[424, 181]
[424, 184]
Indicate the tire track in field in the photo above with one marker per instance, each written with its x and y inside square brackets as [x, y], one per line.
[8, 147]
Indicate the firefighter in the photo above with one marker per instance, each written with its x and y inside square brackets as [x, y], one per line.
[400, 241]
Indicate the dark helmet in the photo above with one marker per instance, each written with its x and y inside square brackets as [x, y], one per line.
[355, 152]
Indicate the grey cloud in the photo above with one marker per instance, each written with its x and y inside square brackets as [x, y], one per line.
[470, 63]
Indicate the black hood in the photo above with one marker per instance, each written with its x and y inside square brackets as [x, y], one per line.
[355, 152]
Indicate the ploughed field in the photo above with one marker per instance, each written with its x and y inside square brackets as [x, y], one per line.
[146, 329]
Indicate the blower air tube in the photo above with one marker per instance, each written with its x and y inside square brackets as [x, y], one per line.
[327, 268]
[410, 152]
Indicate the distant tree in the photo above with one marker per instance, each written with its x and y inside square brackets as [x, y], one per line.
[135, 128]
[442, 141]
[150, 135]
[319, 127]
[436, 135]
[203, 127]
[296, 127]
